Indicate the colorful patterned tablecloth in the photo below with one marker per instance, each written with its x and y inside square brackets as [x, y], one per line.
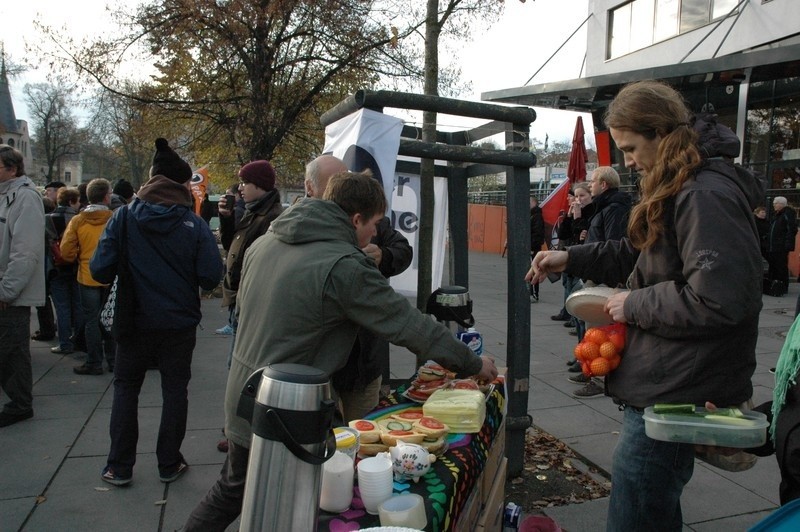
[449, 483]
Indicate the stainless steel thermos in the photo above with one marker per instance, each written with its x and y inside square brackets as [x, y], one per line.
[291, 413]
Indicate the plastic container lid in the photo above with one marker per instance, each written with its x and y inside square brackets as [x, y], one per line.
[747, 431]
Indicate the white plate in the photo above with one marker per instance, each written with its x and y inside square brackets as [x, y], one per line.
[389, 529]
[587, 304]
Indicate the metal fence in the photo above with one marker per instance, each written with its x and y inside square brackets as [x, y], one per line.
[498, 197]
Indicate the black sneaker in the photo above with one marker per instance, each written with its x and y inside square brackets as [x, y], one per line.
[579, 379]
[9, 418]
[182, 467]
[772, 370]
[592, 389]
[108, 475]
[575, 368]
[561, 316]
[41, 337]
[83, 369]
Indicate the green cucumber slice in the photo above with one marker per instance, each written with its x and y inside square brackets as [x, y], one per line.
[668, 408]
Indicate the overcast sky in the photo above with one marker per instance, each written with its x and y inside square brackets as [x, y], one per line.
[503, 56]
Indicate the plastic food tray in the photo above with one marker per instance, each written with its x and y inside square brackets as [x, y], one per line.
[682, 428]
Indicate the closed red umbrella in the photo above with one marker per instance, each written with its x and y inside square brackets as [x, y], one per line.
[576, 169]
[556, 204]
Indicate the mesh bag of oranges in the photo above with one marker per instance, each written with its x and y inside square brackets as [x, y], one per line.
[600, 351]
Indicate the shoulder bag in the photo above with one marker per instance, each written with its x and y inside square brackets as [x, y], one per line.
[118, 314]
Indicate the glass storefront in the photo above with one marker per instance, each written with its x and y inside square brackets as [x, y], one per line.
[772, 132]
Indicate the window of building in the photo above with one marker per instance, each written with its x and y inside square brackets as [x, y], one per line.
[11, 142]
[772, 132]
[640, 23]
[68, 177]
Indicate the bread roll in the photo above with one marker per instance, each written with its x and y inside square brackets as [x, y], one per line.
[431, 427]
[391, 437]
[368, 431]
[371, 449]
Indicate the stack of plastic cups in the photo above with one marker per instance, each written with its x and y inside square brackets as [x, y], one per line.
[374, 482]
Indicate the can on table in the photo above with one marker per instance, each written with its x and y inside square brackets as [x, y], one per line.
[511, 517]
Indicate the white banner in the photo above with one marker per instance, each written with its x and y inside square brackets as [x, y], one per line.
[405, 219]
[367, 139]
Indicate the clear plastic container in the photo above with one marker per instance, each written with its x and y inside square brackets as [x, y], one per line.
[747, 431]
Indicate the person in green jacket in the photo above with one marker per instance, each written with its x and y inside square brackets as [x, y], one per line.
[306, 289]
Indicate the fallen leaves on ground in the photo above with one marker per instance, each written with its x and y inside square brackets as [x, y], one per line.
[549, 477]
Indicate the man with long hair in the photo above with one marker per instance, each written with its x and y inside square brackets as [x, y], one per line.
[692, 264]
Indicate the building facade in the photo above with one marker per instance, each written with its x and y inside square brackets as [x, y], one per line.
[12, 131]
[737, 58]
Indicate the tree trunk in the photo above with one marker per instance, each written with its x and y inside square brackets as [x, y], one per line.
[427, 200]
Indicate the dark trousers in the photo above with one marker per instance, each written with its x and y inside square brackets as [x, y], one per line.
[223, 503]
[98, 341]
[47, 322]
[173, 349]
[16, 376]
[779, 266]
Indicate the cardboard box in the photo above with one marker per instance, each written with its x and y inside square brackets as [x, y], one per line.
[469, 514]
[491, 518]
[496, 455]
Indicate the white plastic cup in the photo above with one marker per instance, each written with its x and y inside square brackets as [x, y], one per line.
[374, 482]
[373, 497]
[407, 510]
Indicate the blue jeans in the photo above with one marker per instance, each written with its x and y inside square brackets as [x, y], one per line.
[16, 375]
[570, 284]
[67, 301]
[98, 341]
[647, 479]
[173, 349]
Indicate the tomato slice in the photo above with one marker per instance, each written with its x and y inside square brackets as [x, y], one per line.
[411, 415]
[400, 432]
[431, 423]
[365, 426]
[466, 385]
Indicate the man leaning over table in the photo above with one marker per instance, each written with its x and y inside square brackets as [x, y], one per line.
[306, 288]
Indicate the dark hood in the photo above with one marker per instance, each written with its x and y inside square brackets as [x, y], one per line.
[313, 220]
[161, 204]
[718, 146]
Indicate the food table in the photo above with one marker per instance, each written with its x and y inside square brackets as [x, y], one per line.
[457, 487]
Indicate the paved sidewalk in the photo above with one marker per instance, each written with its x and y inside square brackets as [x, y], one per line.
[50, 465]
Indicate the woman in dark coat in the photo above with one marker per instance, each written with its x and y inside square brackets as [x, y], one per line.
[537, 241]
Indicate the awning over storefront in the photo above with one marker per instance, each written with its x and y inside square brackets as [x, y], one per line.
[593, 93]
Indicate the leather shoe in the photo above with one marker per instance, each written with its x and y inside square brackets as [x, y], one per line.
[39, 337]
[58, 351]
[83, 369]
[8, 418]
[561, 316]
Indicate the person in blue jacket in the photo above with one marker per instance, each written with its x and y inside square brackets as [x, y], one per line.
[171, 254]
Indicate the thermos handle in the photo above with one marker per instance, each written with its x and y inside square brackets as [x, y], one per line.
[247, 400]
[298, 450]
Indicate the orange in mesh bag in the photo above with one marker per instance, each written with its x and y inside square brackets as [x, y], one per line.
[600, 351]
